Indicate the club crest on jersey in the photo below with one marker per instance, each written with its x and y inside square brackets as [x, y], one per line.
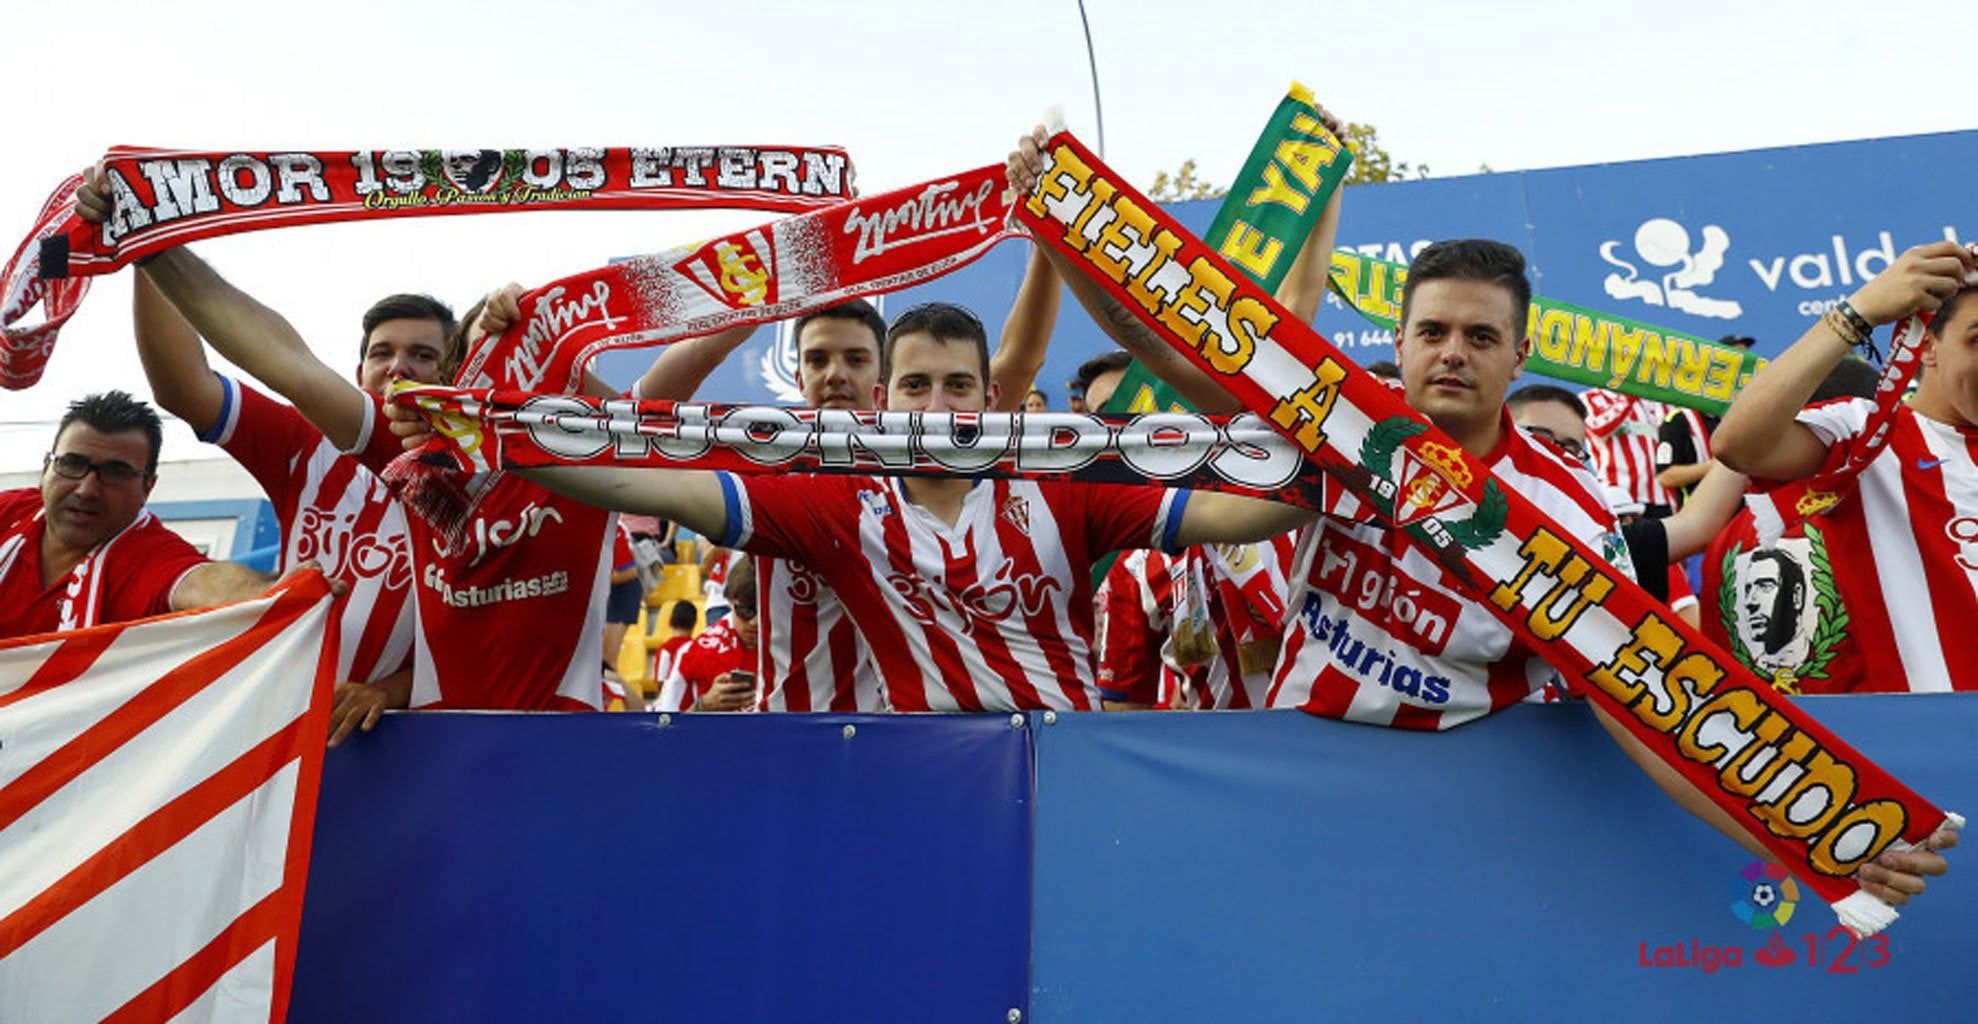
[738, 276]
[1016, 510]
[1812, 503]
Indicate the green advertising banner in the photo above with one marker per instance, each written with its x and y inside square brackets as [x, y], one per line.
[1580, 345]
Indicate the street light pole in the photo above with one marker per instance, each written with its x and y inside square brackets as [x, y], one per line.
[1093, 63]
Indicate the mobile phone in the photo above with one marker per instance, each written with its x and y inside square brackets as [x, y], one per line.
[744, 678]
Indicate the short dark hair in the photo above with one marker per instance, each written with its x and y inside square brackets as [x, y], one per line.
[1090, 370]
[945, 322]
[1385, 368]
[740, 588]
[1949, 309]
[857, 310]
[1738, 341]
[115, 412]
[406, 306]
[456, 339]
[1852, 377]
[1473, 259]
[1531, 393]
[683, 617]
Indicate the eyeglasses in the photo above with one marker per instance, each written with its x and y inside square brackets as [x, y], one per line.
[742, 613]
[1570, 446]
[72, 466]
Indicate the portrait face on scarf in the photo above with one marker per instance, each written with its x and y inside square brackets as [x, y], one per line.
[471, 170]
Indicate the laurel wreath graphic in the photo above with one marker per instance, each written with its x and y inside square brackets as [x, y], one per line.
[1377, 451]
[435, 171]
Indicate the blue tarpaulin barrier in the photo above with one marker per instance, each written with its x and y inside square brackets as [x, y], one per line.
[1255, 866]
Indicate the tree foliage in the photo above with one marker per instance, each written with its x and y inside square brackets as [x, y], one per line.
[1182, 185]
[1372, 162]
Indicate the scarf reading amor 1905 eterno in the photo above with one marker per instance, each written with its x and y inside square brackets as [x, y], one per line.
[164, 198]
[1808, 797]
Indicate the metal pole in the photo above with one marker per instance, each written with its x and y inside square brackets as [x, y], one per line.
[1093, 62]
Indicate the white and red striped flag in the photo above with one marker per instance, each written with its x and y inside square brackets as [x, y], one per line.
[157, 793]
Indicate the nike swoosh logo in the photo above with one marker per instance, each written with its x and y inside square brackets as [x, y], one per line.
[1928, 463]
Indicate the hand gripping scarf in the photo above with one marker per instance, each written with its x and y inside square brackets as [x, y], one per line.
[1774, 511]
[1809, 798]
[163, 198]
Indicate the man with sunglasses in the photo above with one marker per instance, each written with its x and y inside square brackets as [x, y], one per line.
[83, 551]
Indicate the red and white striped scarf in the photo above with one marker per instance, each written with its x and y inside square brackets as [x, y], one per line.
[164, 198]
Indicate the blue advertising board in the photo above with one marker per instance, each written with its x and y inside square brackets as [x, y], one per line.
[1752, 243]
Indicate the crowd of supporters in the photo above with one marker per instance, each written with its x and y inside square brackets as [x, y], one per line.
[842, 593]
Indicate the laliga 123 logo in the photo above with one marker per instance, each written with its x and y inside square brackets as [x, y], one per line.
[1661, 242]
[1764, 895]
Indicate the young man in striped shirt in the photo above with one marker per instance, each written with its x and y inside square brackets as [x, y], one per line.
[974, 595]
[334, 511]
[1904, 546]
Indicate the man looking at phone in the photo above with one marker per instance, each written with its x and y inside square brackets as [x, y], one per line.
[717, 671]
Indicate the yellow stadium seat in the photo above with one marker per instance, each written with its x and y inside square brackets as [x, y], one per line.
[679, 583]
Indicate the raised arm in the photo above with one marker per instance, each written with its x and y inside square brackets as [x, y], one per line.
[250, 335]
[174, 360]
[1304, 286]
[1027, 332]
[263, 343]
[1759, 435]
[681, 367]
[1025, 166]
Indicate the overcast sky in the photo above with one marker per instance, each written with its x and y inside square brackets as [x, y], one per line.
[913, 90]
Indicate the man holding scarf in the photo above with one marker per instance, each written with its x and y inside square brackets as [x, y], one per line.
[1379, 632]
[1904, 544]
[1005, 623]
[532, 566]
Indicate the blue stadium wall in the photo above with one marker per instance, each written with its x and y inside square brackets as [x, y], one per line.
[1260, 866]
[1800, 227]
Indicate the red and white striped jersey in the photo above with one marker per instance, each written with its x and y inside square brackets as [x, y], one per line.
[513, 617]
[1249, 585]
[334, 512]
[1135, 603]
[714, 652]
[1904, 548]
[812, 657]
[991, 613]
[1623, 434]
[130, 576]
[1380, 633]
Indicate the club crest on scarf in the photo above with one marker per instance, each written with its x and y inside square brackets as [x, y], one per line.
[738, 272]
